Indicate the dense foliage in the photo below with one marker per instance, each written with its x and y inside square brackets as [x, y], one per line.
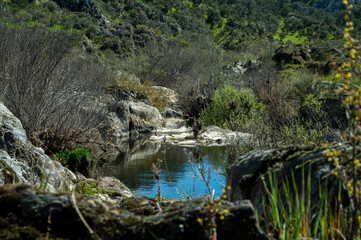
[235, 109]
[194, 47]
[265, 67]
[75, 159]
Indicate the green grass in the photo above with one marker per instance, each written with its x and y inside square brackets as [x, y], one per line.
[289, 212]
[294, 38]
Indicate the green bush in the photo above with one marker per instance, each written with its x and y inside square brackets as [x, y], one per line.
[235, 109]
[303, 133]
[311, 125]
[74, 159]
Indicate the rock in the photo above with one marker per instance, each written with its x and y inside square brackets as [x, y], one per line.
[245, 67]
[146, 206]
[173, 119]
[170, 113]
[21, 162]
[245, 177]
[143, 118]
[123, 121]
[107, 189]
[125, 118]
[113, 184]
[170, 135]
[218, 136]
[210, 136]
[27, 214]
[169, 94]
[174, 123]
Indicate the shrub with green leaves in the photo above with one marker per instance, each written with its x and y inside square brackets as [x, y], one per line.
[303, 133]
[75, 159]
[235, 109]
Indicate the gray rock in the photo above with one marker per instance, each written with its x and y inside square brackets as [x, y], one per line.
[248, 176]
[244, 67]
[169, 94]
[209, 136]
[113, 184]
[218, 136]
[28, 163]
[171, 113]
[174, 123]
[143, 118]
[30, 212]
[126, 118]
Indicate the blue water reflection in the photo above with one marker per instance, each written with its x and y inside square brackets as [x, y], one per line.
[177, 176]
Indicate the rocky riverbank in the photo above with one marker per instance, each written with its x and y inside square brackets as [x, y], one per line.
[32, 214]
[71, 206]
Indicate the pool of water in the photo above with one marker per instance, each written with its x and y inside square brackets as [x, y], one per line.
[178, 170]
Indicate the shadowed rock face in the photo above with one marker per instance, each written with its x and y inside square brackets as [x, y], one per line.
[245, 177]
[27, 212]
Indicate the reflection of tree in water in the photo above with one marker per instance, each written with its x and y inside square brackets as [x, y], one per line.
[135, 169]
[216, 155]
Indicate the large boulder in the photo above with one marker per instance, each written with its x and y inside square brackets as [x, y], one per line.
[248, 176]
[114, 185]
[170, 95]
[129, 118]
[30, 214]
[22, 162]
[123, 121]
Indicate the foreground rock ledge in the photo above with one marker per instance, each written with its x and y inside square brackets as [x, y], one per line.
[25, 214]
[246, 176]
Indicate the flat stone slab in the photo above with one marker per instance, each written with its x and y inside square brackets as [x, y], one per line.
[209, 136]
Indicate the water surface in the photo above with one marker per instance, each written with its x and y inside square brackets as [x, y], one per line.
[134, 169]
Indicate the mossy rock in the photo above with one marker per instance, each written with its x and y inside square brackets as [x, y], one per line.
[176, 221]
[248, 176]
[7, 174]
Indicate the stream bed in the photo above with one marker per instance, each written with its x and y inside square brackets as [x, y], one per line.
[178, 169]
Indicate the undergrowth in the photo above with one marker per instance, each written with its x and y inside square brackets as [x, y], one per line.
[347, 162]
[291, 212]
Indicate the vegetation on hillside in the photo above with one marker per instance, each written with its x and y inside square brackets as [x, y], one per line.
[265, 67]
[281, 50]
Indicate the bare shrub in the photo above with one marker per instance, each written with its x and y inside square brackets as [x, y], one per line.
[280, 107]
[46, 88]
[128, 86]
[260, 75]
[192, 69]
